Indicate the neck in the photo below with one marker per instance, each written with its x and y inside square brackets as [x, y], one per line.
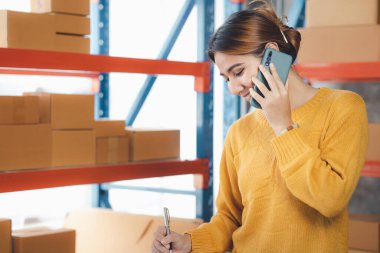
[299, 91]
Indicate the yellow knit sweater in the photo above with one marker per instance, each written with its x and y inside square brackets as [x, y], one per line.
[289, 194]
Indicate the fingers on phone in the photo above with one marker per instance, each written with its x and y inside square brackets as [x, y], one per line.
[256, 96]
[276, 76]
[264, 90]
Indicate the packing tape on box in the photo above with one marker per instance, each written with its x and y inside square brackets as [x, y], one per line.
[113, 147]
[19, 110]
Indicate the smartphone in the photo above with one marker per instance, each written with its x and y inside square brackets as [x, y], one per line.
[281, 61]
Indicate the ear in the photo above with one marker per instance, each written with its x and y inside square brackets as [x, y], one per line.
[272, 45]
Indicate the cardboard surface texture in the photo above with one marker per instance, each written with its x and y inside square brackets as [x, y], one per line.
[5, 236]
[44, 241]
[341, 12]
[109, 128]
[153, 144]
[73, 147]
[25, 146]
[79, 7]
[364, 232]
[112, 150]
[100, 230]
[340, 44]
[17, 110]
[26, 30]
[71, 44]
[66, 111]
[373, 153]
[71, 24]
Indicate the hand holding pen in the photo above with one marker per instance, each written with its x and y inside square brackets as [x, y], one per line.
[167, 241]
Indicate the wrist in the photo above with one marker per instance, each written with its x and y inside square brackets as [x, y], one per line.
[287, 129]
[279, 128]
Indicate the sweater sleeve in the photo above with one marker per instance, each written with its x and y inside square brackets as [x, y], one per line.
[324, 177]
[216, 236]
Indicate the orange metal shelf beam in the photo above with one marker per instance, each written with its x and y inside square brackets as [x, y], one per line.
[69, 64]
[12, 181]
[371, 169]
[340, 72]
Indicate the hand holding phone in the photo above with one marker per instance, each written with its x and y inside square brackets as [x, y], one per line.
[281, 61]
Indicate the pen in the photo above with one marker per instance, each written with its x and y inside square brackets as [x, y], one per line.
[167, 225]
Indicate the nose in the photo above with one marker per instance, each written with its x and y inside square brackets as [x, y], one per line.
[235, 87]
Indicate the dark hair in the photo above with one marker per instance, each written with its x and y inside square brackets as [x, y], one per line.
[248, 31]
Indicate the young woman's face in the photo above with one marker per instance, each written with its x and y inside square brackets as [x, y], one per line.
[238, 71]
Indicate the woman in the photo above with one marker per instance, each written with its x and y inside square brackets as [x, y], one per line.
[287, 171]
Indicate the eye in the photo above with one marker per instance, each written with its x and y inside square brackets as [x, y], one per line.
[239, 73]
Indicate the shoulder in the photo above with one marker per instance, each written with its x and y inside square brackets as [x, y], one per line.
[345, 99]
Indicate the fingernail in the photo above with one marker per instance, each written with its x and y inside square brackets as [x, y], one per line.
[272, 65]
[251, 90]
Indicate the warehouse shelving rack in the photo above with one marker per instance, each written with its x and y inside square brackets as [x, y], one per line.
[97, 67]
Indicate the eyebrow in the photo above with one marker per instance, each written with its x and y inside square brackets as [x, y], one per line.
[232, 67]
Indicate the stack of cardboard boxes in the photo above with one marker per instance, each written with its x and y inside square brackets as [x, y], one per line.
[71, 118]
[55, 25]
[25, 142]
[340, 31]
[71, 23]
[364, 233]
[41, 130]
[111, 142]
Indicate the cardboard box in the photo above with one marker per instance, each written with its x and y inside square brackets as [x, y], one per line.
[71, 24]
[17, 110]
[364, 232]
[26, 30]
[25, 147]
[73, 147]
[153, 144]
[101, 230]
[341, 12]
[340, 44]
[42, 240]
[79, 7]
[5, 236]
[109, 128]
[373, 153]
[66, 111]
[112, 150]
[71, 44]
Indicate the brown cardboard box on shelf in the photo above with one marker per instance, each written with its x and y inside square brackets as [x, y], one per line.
[153, 144]
[112, 150]
[109, 128]
[373, 153]
[73, 147]
[71, 24]
[341, 12]
[25, 147]
[66, 111]
[340, 44]
[43, 240]
[26, 30]
[17, 110]
[71, 44]
[79, 7]
[364, 232]
[100, 230]
[5, 236]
